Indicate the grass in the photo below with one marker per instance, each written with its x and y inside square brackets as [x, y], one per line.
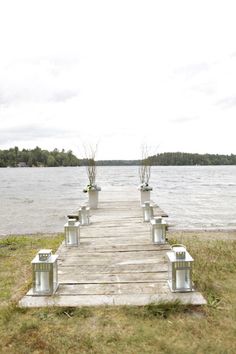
[163, 328]
[16, 254]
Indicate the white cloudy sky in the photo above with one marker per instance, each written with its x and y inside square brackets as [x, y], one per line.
[120, 73]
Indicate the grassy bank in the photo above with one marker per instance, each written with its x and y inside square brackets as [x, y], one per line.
[165, 328]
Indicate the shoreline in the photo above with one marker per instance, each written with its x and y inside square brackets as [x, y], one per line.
[205, 234]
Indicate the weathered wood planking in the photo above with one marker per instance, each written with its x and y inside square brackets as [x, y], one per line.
[115, 263]
[114, 288]
[116, 255]
[93, 246]
[125, 268]
[104, 262]
[70, 275]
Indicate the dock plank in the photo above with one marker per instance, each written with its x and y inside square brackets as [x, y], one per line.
[70, 275]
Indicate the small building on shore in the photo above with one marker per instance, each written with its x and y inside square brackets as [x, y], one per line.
[22, 164]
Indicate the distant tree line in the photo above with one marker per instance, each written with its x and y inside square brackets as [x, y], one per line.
[186, 159]
[37, 158]
[44, 158]
[173, 159]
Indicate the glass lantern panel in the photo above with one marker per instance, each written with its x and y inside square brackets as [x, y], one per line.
[42, 283]
[84, 217]
[72, 236]
[55, 277]
[182, 279]
[170, 271]
[146, 214]
[158, 234]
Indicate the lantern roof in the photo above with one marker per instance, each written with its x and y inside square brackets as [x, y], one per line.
[73, 223]
[84, 207]
[44, 256]
[157, 221]
[172, 257]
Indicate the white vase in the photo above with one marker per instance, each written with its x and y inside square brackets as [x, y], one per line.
[93, 199]
[145, 196]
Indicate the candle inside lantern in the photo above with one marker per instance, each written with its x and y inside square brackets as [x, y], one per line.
[180, 278]
[83, 218]
[72, 239]
[84, 215]
[44, 281]
[72, 232]
[146, 215]
[157, 235]
[147, 211]
[37, 281]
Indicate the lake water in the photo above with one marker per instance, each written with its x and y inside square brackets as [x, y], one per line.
[194, 197]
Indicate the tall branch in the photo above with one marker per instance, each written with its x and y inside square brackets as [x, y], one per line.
[91, 168]
[145, 166]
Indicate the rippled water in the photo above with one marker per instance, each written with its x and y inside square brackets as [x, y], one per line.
[194, 197]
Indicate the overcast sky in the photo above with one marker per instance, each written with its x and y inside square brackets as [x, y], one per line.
[120, 73]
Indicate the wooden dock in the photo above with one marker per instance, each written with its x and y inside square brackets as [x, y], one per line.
[115, 263]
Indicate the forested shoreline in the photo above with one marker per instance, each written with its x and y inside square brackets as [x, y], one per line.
[176, 159]
[14, 157]
[188, 159]
[37, 158]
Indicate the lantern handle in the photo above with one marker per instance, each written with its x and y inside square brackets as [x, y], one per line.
[177, 245]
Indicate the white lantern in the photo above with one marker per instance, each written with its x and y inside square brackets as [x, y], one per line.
[158, 230]
[147, 211]
[179, 269]
[45, 275]
[84, 215]
[72, 232]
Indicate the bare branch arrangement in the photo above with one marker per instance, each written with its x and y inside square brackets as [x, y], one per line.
[91, 168]
[144, 168]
